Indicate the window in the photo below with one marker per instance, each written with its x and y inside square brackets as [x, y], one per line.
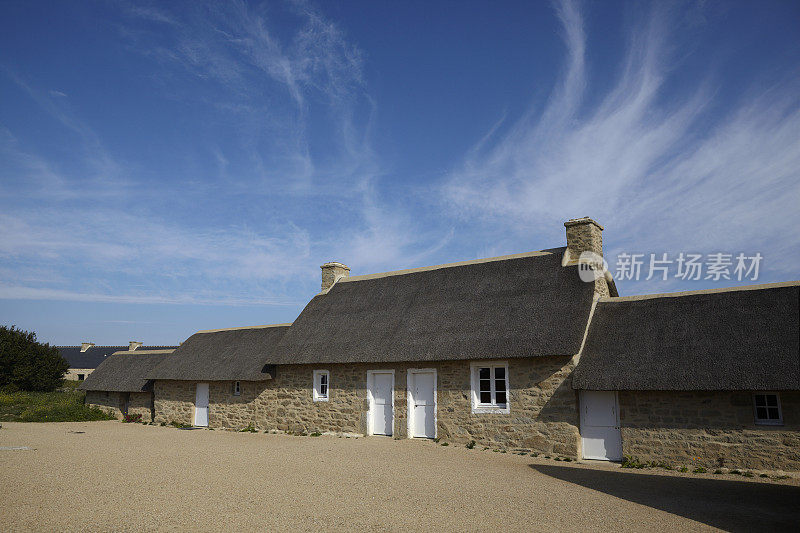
[321, 385]
[490, 388]
[237, 388]
[768, 408]
[80, 377]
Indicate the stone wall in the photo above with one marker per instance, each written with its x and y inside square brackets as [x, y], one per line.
[174, 401]
[709, 429]
[115, 403]
[141, 403]
[543, 408]
[110, 402]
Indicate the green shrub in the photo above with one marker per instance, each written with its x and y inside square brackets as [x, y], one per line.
[763, 475]
[28, 365]
[315, 434]
[747, 474]
[699, 470]
[683, 469]
[535, 454]
[445, 444]
[248, 429]
[470, 444]
[436, 439]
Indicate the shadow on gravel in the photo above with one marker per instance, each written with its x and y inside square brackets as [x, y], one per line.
[725, 504]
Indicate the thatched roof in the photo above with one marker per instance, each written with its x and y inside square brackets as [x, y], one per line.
[236, 354]
[125, 371]
[744, 338]
[514, 306]
[95, 355]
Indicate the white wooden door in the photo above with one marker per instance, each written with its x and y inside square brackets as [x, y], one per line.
[381, 406]
[201, 405]
[422, 403]
[600, 425]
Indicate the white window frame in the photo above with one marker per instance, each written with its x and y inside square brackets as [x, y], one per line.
[477, 406]
[768, 421]
[318, 396]
[237, 388]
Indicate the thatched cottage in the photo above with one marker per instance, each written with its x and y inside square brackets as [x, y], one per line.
[708, 376]
[487, 350]
[119, 385]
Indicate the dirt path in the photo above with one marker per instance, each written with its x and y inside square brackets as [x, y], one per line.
[100, 476]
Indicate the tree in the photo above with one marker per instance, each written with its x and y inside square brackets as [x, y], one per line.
[27, 364]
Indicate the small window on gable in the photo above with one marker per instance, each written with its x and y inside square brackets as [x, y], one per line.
[80, 377]
[490, 388]
[321, 385]
[767, 407]
[237, 388]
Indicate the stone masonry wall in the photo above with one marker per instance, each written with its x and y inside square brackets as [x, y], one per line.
[140, 403]
[110, 402]
[543, 409]
[114, 403]
[709, 429]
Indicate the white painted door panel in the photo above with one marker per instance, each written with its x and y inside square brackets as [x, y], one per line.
[381, 409]
[600, 431]
[424, 404]
[201, 405]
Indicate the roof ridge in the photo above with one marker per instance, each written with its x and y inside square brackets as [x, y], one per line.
[739, 288]
[365, 277]
[244, 327]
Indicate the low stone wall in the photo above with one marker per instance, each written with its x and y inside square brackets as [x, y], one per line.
[709, 429]
[543, 408]
[110, 402]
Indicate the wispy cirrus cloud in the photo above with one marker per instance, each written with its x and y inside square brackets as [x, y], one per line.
[63, 236]
[650, 162]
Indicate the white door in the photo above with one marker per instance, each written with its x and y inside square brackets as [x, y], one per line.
[381, 405]
[422, 403]
[201, 405]
[600, 425]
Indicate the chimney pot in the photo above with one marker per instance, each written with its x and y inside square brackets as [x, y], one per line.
[86, 345]
[132, 345]
[333, 272]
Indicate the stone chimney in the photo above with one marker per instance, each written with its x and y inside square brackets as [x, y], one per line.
[86, 345]
[586, 235]
[132, 345]
[583, 235]
[333, 272]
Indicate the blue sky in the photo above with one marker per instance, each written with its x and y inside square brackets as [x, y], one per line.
[166, 168]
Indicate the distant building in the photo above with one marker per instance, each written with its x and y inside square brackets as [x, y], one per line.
[85, 358]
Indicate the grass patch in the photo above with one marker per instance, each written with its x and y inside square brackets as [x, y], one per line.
[683, 469]
[316, 434]
[248, 429]
[64, 405]
[445, 444]
[699, 470]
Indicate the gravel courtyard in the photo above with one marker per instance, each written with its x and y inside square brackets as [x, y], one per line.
[101, 476]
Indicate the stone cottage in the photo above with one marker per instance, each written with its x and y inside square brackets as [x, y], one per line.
[511, 351]
[119, 385]
[708, 377]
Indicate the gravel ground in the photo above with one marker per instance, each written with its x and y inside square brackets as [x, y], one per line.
[100, 476]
